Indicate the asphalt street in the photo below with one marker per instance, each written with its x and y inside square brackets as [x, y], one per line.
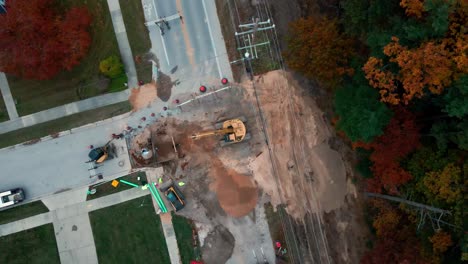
[59, 164]
[193, 49]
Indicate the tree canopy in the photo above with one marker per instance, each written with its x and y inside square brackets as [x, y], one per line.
[318, 50]
[111, 67]
[361, 115]
[37, 40]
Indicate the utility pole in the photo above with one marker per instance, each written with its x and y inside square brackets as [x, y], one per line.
[252, 28]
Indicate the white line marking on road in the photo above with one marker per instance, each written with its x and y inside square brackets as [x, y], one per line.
[212, 41]
[162, 37]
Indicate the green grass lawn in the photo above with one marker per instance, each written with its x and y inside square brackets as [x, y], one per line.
[183, 231]
[138, 35]
[81, 82]
[62, 124]
[107, 188]
[35, 245]
[129, 232]
[22, 211]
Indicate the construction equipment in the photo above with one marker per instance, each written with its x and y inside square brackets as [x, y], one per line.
[173, 195]
[100, 154]
[232, 130]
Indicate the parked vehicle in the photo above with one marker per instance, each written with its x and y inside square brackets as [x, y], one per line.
[11, 197]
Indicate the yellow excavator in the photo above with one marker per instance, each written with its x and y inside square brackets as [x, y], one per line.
[233, 131]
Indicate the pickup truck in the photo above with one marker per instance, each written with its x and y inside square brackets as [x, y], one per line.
[11, 197]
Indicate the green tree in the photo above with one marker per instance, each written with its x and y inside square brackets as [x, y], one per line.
[111, 67]
[456, 98]
[452, 131]
[362, 115]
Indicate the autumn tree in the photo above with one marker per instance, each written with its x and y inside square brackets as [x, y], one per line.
[318, 50]
[37, 40]
[111, 67]
[438, 179]
[396, 239]
[434, 54]
[413, 7]
[441, 241]
[445, 185]
[428, 67]
[400, 138]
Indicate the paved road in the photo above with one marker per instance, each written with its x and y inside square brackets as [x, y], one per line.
[59, 164]
[193, 50]
[6, 93]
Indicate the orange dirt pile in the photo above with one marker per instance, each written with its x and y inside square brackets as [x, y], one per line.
[143, 96]
[237, 194]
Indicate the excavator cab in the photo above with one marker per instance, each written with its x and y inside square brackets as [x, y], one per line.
[230, 137]
[98, 155]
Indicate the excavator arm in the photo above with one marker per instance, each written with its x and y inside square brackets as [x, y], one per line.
[212, 133]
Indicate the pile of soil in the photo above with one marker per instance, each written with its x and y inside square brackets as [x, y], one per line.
[142, 96]
[237, 194]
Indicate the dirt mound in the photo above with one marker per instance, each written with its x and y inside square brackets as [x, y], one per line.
[237, 194]
[143, 96]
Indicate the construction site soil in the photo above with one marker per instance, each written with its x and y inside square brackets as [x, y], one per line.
[142, 96]
[298, 169]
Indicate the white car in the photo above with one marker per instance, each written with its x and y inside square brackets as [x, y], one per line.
[11, 197]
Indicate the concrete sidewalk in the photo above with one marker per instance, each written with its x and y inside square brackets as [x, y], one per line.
[166, 219]
[63, 212]
[6, 93]
[122, 40]
[171, 240]
[64, 110]
[25, 224]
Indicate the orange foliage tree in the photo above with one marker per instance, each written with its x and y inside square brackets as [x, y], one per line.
[396, 240]
[445, 185]
[318, 50]
[441, 241]
[400, 138]
[413, 7]
[430, 66]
